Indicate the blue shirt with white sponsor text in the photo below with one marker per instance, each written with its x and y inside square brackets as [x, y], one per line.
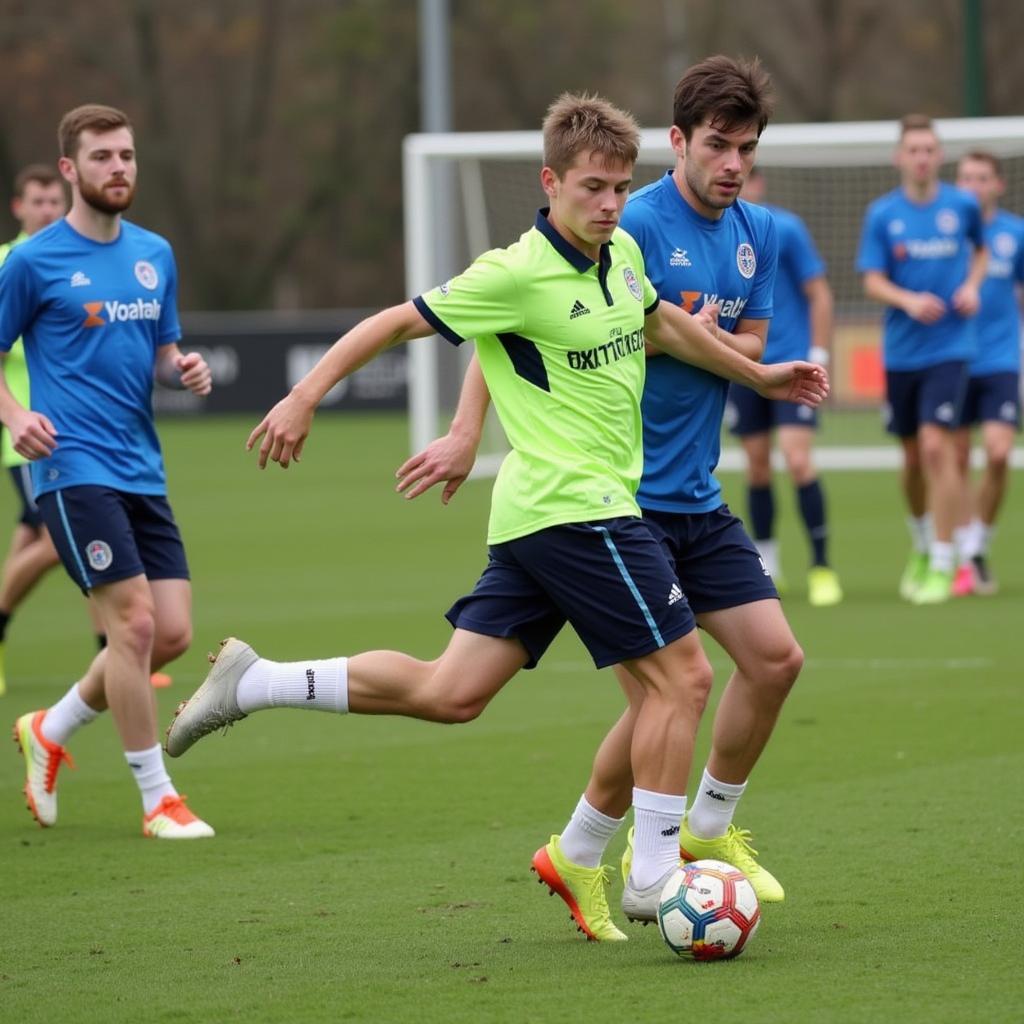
[93, 315]
[693, 261]
[998, 323]
[799, 262]
[923, 247]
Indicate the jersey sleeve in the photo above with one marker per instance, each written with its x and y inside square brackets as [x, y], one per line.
[636, 257]
[483, 299]
[18, 299]
[169, 328]
[805, 259]
[760, 304]
[872, 253]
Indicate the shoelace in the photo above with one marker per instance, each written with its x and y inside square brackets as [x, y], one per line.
[212, 722]
[740, 839]
[601, 880]
[54, 759]
[174, 807]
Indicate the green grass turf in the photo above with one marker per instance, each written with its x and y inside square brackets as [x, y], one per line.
[377, 869]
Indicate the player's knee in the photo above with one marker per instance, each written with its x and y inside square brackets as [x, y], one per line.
[171, 643]
[134, 629]
[459, 708]
[998, 459]
[780, 669]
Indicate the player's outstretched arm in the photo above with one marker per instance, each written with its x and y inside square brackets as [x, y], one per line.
[32, 434]
[285, 428]
[450, 458]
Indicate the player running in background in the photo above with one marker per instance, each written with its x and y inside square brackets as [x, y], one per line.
[559, 319]
[709, 253]
[993, 387]
[94, 298]
[801, 329]
[922, 255]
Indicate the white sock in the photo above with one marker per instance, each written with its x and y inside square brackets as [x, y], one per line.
[316, 685]
[656, 817]
[769, 551]
[587, 835]
[711, 812]
[984, 534]
[963, 541]
[942, 557]
[920, 532]
[150, 776]
[66, 717]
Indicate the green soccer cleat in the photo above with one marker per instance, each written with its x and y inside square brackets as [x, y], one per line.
[913, 575]
[936, 588]
[823, 588]
[734, 848]
[581, 888]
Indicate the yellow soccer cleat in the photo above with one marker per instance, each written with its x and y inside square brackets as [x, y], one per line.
[734, 848]
[823, 589]
[582, 889]
[936, 588]
[913, 575]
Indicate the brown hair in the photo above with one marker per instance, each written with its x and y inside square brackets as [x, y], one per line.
[92, 117]
[42, 174]
[985, 157]
[581, 122]
[916, 123]
[727, 92]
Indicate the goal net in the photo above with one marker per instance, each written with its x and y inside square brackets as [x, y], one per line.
[469, 192]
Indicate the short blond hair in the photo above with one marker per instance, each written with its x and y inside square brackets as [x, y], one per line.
[581, 123]
[92, 117]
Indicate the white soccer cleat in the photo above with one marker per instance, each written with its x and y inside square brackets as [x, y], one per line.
[642, 904]
[171, 819]
[214, 705]
[42, 762]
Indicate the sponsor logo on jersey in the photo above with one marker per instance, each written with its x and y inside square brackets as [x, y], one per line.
[688, 300]
[899, 251]
[146, 275]
[929, 248]
[746, 261]
[79, 280]
[619, 346]
[679, 258]
[632, 284]
[120, 312]
[578, 309]
[99, 555]
[727, 308]
[947, 222]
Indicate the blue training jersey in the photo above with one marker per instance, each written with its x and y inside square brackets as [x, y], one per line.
[998, 323]
[923, 247]
[693, 261]
[92, 316]
[799, 262]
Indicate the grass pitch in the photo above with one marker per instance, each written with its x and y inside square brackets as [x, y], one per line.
[377, 869]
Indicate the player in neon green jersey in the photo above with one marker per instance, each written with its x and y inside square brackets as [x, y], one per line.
[560, 320]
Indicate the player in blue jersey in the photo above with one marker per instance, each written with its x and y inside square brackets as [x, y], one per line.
[94, 298]
[922, 254]
[993, 387]
[716, 258]
[801, 329]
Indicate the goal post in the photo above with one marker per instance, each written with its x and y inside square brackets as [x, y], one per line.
[827, 173]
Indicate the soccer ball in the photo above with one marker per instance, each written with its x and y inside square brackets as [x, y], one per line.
[708, 911]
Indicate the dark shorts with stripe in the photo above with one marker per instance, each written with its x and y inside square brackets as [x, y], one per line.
[934, 394]
[21, 477]
[717, 563]
[992, 398]
[103, 535]
[747, 412]
[610, 579]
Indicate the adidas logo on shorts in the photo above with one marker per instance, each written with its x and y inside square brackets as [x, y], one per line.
[578, 309]
[675, 594]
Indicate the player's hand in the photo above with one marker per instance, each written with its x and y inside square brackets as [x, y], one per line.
[707, 317]
[195, 373]
[966, 300]
[449, 458]
[924, 307]
[798, 381]
[32, 435]
[284, 431]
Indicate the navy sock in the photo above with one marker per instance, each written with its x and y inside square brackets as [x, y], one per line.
[761, 502]
[811, 499]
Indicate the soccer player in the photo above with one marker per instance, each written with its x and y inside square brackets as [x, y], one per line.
[802, 328]
[708, 253]
[38, 201]
[922, 254]
[560, 320]
[94, 298]
[993, 386]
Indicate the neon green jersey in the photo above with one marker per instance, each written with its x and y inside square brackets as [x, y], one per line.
[16, 372]
[561, 345]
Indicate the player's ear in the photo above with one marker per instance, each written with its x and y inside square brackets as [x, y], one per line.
[67, 169]
[549, 181]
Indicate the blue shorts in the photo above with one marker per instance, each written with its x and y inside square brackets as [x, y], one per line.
[747, 412]
[103, 535]
[934, 394]
[609, 579]
[21, 477]
[993, 398]
[718, 564]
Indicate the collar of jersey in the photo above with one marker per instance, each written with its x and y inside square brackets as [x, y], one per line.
[668, 183]
[567, 250]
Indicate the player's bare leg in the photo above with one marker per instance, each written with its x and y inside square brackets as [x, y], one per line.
[912, 484]
[939, 465]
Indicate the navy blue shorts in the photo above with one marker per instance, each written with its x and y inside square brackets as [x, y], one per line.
[747, 412]
[993, 398]
[609, 579]
[103, 535]
[934, 394]
[717, 563]
[21, 477]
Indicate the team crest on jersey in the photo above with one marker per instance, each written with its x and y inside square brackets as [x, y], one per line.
[632, 284]
[146, 275]
[897, 227]
[99, 554]
[746, 261]
[445, 288]
[947, 222]
[1005, 245]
